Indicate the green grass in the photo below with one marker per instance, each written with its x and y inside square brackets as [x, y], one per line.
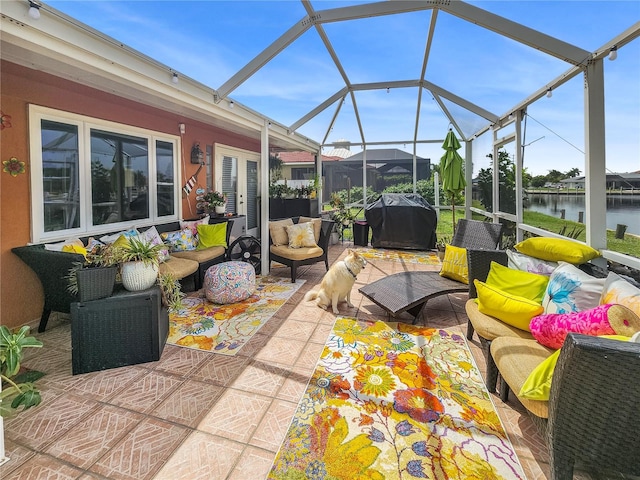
[630, 245]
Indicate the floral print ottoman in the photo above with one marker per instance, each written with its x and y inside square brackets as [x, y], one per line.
[229, 282]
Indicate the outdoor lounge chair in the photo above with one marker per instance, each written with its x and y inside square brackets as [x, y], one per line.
[296, 257]
[410, 291]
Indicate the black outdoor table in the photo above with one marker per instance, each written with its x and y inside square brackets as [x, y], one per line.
[409, 291]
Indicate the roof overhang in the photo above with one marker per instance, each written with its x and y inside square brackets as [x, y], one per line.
[59, 45]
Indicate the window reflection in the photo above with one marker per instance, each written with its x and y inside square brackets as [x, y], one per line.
[119, 177]
[60, 176]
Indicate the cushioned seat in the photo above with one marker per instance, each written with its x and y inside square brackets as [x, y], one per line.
[301, 253]
[281, 250]
[229, 282]
[516, 358]
[490, 328]
[179, 268]
[201, 256]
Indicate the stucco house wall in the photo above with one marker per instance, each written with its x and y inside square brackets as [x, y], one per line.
[21, 296]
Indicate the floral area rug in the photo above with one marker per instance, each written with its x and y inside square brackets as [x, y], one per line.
[225, 329]
[405, 256]
[395, 401]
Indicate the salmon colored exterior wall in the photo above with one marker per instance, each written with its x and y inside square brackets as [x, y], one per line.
[21, 296]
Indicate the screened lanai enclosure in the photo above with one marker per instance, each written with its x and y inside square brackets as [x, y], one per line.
[442, 84]
[509, 78]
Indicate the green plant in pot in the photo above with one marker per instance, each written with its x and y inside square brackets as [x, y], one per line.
[172, 294]
[441, 245]
[140, 261]
[214, 201]
[18, 390]
[95, 277]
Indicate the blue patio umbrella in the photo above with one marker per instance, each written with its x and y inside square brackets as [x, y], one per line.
[451, 170]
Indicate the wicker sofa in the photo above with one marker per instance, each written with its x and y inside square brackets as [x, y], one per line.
[593, 379]
[52, 267]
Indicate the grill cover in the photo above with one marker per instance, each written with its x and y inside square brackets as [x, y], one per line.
[402, 220]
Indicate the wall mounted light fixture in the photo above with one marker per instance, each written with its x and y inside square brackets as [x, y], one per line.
[175, 78]
[34, 10]
[196, 154]
[549, 93]
[613, 53]
[182, 128]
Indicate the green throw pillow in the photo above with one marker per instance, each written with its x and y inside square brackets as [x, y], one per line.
[212, 235]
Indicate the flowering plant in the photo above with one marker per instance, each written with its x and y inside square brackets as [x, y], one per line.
[214, 199]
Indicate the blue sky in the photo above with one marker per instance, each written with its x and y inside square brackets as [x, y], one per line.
[211, 40]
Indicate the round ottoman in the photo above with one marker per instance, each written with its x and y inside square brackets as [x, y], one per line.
[229, 282]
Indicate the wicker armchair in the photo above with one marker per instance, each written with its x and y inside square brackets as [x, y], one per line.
[477, 234]
[294, 257]
[52, 269]
[594, 418]
[487, 328]
[591, 420]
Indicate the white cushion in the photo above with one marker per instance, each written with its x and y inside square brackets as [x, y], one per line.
[571, 290]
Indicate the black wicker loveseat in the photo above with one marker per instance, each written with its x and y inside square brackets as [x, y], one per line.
[52, 267]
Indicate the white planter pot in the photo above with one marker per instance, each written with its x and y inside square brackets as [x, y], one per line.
[220, 209]
[138, 275]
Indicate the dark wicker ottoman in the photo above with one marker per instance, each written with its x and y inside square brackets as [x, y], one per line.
[125, 329]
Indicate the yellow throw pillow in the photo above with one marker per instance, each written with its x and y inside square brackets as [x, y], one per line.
[618, 290]
[517, 282]
[557, 249]
[511, 309]
[73, 248]
[317, 225]
[212, 235]
[277, 229]
[121, 241]
[301, 235]
[454, 264]
[537, 386]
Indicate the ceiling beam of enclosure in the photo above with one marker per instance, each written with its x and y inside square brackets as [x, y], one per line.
[317, 18]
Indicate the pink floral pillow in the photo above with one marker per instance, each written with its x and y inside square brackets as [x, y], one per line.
[551, 329]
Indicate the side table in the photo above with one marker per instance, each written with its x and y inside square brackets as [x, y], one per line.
[125, 329]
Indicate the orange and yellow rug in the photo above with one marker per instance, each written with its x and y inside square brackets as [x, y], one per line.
[225, 329]
[395, 401]
[404, 256]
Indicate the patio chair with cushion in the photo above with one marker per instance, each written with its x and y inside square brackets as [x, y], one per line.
[591, 419]
[284, 250]
[410, 291]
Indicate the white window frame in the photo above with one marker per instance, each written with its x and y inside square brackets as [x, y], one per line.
[85, 124]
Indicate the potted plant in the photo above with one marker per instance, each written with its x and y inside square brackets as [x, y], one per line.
[18, 389]
[140, 261]
[215, 201]
[341, 213]
[172, 294]
[95, 277]
[441, 245]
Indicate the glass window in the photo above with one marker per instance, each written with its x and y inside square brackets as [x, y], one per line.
[165, 178]
[89, 175]
[119, 177]
[230, 181]
[60, 176]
